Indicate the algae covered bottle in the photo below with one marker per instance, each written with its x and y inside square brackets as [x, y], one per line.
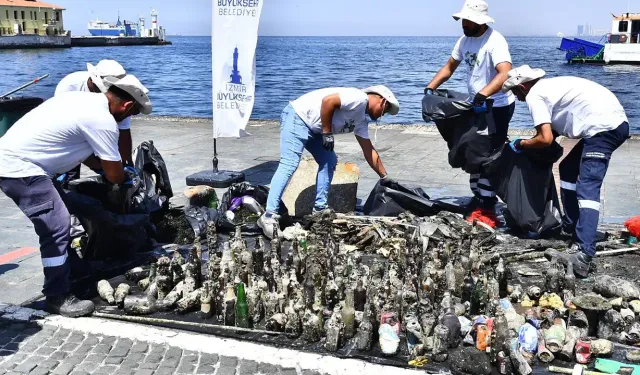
[242, 309]
[348, 315]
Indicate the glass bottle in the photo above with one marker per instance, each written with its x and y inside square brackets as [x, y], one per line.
[478, 298]
[348, 315]
[241, 307]
[503, 281]
[467, 289]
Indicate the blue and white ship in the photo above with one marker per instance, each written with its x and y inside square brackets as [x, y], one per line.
[102, 28]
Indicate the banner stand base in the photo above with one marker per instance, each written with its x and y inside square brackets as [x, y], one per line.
[219, 179]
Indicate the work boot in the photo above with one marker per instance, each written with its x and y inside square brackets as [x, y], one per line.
[270, 225]
[69, 306]
[581, 261]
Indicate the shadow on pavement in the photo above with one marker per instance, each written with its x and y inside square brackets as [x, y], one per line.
[12, 334]
[262, 173]
[7, 267]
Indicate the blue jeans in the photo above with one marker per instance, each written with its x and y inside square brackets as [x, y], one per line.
[581, 175]
[295, 136]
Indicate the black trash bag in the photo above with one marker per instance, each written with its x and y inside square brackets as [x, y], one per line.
[468, 135]
[526, 184]
[112, 233]
[155, 191]
[393, 199]
[258, 192]
[198, 217]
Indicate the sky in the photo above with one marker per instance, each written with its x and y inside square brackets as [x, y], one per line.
[357, 17]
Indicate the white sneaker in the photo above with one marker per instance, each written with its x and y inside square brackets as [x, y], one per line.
[270, 225]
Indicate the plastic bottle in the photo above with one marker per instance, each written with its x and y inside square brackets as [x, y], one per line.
[348, 315]
[459, 276]
[242, 310]
[450, 276]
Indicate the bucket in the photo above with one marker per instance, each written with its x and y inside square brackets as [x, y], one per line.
[13, 108]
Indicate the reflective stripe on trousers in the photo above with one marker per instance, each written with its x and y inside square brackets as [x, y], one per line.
[40, 201]
[581, 175]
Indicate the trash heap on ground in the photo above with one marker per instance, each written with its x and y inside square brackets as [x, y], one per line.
[428, 289]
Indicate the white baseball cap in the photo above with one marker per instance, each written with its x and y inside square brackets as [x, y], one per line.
[132, 86]
[387, 95]
[476, 11]
[521, 75]
[105, 68]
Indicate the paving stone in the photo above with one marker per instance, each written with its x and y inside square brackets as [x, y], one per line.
[45, 351]
[59, 355]
[105, 370]
[310, 372]
[88, 366]
[170, 362]
[248, 367]
[190, 359]
[205, 369]
[228, 361]
[119, 351]
[54, 343]
[40, 371]
[96, 357]
[48, 364]
[135, 357]
[122, 371]
[173, 353]
[70, 346]
[62, 334]
[102, 349]
[157, 350]
[144, 372]
[84, 348]
[125, 343]
[148, 366]
[208, 359]
[130, 364]
[64, 368]
[26, 367]
[74, 359]
[169, 371]
[266, 368]
[108, 340]
[140, 347]
[29, 347]
[76, 337]
[288, 371]
[186, 368]
[153, 359]
[80, 372]
[113, 360]
[91, 340]
[226, 370]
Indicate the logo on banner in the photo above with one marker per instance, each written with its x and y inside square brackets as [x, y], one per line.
[238, 7]
[233, 95]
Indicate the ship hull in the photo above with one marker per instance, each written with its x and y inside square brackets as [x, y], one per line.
[106, 32]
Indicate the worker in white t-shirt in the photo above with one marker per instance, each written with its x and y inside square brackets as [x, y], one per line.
[579, 109]
[81, 81]
[310, 122]
[486, 56]
[70, 128]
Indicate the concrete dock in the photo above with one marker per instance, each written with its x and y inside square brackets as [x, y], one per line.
[116, 41]
[412, 154]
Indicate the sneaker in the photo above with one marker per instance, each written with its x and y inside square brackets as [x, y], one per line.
[270, 225]
[581, 262]
[69, 306]
[484, 215]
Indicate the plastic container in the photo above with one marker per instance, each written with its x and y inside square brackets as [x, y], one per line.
[12, 109]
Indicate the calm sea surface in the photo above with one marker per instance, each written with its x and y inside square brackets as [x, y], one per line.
[179, 76]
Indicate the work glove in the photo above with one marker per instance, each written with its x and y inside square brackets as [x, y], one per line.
[327, 141]
[131, 169]
[386, 180]
[429, 91]
[61, 178]
[516, 146]
[129, 176]
[480, 103]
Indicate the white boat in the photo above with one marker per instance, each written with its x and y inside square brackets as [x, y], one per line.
[623, 46]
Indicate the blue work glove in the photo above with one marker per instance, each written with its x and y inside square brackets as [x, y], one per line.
[131, 169]
[386, 180]
[129, 175]
[480, 103]
[61, 178]
[328, 141]
[429, 91]
[516, 146]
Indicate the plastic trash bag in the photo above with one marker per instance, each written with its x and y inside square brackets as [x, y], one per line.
[468, 135]
[155, 190]
[526, 184]
[393, 199]
[198, 217]
[234, 198]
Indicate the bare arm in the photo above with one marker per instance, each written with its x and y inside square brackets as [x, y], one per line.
[113, 171]
[125, 145]
[543, 138]
[329, 105]
[444, 74]
[93, 162]
[496, 83]
[372, 156]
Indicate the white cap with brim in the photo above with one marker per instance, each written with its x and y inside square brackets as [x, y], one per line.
[132, 86]
[476, 11]
[521, 75]
[384, 92]
[105, 68]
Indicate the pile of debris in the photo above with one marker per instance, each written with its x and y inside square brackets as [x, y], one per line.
[409, 286]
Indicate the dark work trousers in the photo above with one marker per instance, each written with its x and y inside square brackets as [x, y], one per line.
[581, 175]
[41, 202]
[480, 185]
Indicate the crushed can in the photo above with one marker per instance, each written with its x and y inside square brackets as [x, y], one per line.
[504, 364]
[583, 351]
